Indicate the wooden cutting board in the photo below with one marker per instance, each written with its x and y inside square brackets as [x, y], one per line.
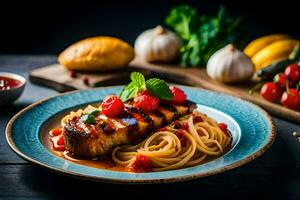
[57, 77]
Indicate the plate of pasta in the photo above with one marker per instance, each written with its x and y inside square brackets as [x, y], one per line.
[141, 133]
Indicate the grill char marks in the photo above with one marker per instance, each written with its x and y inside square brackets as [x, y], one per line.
[191, 105]
[158, 119]
[96, 140]
[145, 124]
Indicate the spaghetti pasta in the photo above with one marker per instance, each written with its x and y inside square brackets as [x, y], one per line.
[186, 142]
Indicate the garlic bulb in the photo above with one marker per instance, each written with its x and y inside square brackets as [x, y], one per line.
[230, 65]
[158, 44]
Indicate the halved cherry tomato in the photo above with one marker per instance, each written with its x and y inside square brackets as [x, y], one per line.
[58, 142]
[141, 164]
[55, 132]
[223, 126]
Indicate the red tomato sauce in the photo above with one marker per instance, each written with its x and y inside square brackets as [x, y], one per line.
[8, 83]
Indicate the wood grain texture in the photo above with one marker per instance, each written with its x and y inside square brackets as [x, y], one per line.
[198, 77]
[253, 182]
[271, 176]
[57, 77]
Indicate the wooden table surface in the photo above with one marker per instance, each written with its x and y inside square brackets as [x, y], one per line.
[274, 175]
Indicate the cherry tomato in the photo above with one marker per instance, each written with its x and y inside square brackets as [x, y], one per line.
[58, 142]
[146, 102]
[112, 106]
[141, 164]
[293, 72]
[55, 132]
[281, 79]
[291, 99]
[270, 91]
[223, 126]
[178, 95]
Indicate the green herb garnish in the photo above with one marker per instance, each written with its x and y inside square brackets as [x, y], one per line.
[155, 86]
[159, 88]
[202, 35]
[89, 118]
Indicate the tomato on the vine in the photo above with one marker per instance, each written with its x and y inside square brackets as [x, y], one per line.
[270, 91]
[293, 72]
[281, 80]
[291, 99]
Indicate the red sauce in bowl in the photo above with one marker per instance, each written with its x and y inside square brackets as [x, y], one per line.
[8, 83]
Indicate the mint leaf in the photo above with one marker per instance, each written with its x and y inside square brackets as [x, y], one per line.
[88, 119]
[94, 112]
[159, 88]
[129, 94]
[137, 79]
[129, 91]
[156, 87]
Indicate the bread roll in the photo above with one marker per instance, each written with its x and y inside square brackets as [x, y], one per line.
[97, 54]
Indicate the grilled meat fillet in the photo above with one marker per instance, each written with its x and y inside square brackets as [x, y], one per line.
[97, 139]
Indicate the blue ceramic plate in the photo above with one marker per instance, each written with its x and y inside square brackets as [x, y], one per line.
[252, 129]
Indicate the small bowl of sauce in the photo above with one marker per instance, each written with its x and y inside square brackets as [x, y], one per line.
[11, 87]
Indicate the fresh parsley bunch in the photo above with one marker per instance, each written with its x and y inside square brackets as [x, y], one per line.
[202, 35]
[155, 86]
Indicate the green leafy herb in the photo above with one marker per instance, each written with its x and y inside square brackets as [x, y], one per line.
[159, 88]
[137, 84]
[129, 91]
[184, 20]
[202, 35]
[94, 112]
[138, 79]
[155, 86]
[89, 118]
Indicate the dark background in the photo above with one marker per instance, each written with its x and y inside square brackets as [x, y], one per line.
[47, 27]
